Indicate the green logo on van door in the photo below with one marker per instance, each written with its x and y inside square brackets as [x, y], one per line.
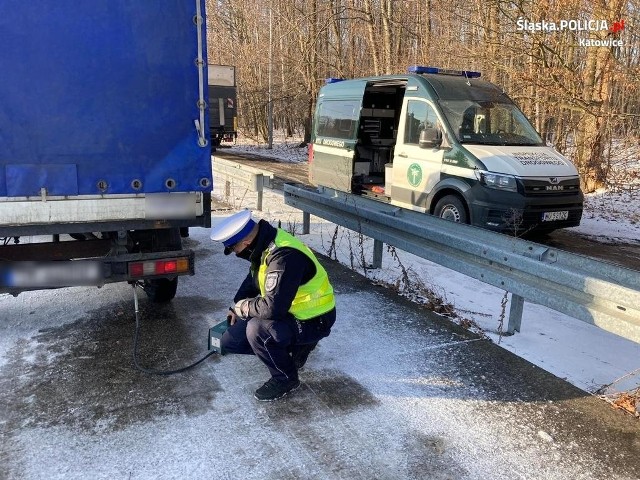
[414, 174]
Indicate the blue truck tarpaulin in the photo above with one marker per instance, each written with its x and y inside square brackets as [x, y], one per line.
[101, 97]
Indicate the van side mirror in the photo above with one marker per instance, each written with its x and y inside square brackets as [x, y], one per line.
[430, 138]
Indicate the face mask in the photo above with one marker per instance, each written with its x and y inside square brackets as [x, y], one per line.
[246, 254]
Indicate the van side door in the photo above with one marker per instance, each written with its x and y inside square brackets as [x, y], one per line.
[416, 170]
[334, 138]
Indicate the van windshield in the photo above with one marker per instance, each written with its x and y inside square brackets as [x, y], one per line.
[489, 123]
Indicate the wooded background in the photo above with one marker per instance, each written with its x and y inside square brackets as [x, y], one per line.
[585, 101]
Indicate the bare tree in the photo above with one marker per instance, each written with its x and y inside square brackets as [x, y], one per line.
[585, 100]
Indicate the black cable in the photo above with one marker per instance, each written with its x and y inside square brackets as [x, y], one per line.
[135, 348]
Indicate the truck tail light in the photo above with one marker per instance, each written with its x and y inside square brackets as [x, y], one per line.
[166, 266]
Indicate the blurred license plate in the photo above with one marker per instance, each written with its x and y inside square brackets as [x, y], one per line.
[50, 274]
[553, 216]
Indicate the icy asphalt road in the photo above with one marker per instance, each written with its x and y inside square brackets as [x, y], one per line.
[394, 393]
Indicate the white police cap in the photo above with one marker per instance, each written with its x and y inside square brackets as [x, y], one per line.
[232, 229]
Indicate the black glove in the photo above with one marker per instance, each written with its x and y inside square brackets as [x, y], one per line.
[230, 315]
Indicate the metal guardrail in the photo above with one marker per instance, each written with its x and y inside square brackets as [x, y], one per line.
[595, 292]
[254, 178]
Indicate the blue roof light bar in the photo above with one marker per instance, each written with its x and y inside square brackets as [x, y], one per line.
[442, 71]
[333, 80]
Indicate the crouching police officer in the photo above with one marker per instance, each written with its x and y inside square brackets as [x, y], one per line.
[284, 306]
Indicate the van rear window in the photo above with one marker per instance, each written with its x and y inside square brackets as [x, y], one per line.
[337, 119]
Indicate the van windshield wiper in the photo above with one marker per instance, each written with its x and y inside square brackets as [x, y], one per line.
[480, 142]
[502, 144]
[525, 144]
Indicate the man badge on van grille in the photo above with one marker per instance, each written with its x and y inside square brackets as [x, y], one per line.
[414, 174]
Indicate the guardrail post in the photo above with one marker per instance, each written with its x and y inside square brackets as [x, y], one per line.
[306, 222]
[515, 313]
[377, 254]
[253, 178]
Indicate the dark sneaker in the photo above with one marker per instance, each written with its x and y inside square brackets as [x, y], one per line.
[301, 353]
[273, 389]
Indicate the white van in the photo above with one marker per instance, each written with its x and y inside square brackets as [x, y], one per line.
[442, 142]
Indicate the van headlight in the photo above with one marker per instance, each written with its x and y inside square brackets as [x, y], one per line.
[498, 181]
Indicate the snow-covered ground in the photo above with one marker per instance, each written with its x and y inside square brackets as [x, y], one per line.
[584, 355]
[612, 216]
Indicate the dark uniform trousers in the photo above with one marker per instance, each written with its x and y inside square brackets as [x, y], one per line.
[273, 341]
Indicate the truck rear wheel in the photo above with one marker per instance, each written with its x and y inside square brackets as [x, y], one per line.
[161, 290]
[451, 208]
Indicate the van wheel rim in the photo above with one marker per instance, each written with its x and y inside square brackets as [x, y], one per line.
[451, 213]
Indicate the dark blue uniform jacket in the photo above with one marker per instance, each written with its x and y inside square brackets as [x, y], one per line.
[287, 269]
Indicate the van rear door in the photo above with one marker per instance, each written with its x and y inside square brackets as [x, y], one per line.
[331, 155]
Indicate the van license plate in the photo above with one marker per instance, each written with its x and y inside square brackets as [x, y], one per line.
[553, 216]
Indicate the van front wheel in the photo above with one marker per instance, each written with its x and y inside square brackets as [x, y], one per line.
[451, 208]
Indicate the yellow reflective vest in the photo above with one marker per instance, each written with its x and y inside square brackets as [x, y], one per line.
[314, 297]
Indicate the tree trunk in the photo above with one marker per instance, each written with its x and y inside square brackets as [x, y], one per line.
[593, 130]
[371, 30]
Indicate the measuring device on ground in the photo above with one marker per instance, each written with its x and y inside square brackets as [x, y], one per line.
[215, 337]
